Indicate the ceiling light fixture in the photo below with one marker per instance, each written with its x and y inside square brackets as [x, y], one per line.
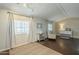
[26, 5]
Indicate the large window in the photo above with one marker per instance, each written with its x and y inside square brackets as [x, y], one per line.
[50, 29]
[39, 27]
[21, 27]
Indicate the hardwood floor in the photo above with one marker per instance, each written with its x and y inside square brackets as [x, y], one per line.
[64, 46]
[33, 49]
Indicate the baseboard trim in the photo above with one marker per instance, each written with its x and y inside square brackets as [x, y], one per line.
[4, 49]
[16, 46]
[22, 44]
[69, 37]
[74, 38]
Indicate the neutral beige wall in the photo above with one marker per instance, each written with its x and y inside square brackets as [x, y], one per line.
[72, 23]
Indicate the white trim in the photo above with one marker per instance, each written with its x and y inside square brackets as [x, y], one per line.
[4, 49]
[23, 44]
[64, 18]
[20, 45]
[16, 46]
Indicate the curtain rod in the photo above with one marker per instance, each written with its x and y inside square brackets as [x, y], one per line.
[19, 14]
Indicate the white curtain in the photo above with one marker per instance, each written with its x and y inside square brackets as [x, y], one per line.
[21, 39]
[7, 30]
[32, 33]
[11, 30]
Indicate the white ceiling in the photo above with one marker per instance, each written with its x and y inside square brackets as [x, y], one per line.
[50, 11]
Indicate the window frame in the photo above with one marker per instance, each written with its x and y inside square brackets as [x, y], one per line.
[21, 27]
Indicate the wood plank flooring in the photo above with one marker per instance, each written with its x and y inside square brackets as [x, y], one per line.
[64, 46]
[33, 49]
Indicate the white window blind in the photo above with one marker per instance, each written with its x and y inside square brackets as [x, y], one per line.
[21, 27]
[21, 24]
